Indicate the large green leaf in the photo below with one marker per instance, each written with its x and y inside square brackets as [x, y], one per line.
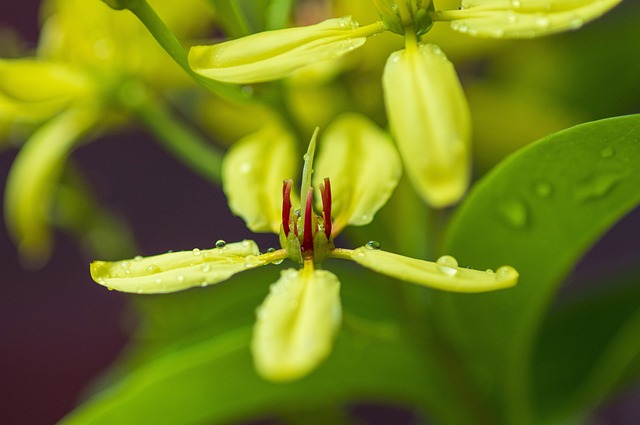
[586, 349]
[538, 211]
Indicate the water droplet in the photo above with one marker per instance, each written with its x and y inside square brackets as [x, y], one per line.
[271, 249]
[245, 243]
[196, 251]
[506, 273]
[205, 268]
[158, 281]
[596, 187]
[447, 265]
[543, 21]
[101, 281]
[516, 3]
[125, 265]
[514, 212]
[153, 269]
[277, 262]
[543, 189]
[607, 152]
[137, 258]
[489, 271]
[372, 245]
[139, 291]
[576, 22]
[204, 283]
[180, 278]
[220, 244]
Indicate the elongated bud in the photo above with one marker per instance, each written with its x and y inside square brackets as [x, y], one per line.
[429, 118]
[271, 55]
[523, 18]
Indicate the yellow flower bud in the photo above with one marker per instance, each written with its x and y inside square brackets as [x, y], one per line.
[524, 18]
[271, 55]
[429, 118]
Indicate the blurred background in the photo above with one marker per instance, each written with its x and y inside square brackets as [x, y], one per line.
[59, 330]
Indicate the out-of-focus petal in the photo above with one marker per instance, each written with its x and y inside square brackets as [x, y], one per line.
[430, 121]
[175, 271]
[271, 55]
[33, 90]
[443, 274]
[252, 175]
[524, 18]
[32, 180]
[363, 166]
[296, 324]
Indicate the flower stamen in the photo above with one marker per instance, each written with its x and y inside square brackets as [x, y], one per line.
[325, 191]
[286, 206]
[307, 232]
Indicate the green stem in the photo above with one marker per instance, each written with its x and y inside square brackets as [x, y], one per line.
[187, 145]
[278, 13]
[168, 41]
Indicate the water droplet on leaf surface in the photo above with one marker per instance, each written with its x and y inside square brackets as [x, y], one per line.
[447, 265]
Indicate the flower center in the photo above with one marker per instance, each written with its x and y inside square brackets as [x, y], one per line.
[306, 236]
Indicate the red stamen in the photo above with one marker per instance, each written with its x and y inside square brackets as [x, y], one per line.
[286, 205]
[307, 236]
[325, 191]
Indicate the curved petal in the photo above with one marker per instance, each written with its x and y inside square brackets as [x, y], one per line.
[271, 55]
[175, 271]
[252, 175]
[443, 274]
[32, 179]
[296, 324]
[430, 121]
[525, 18]
[363, 166]
[33, 90]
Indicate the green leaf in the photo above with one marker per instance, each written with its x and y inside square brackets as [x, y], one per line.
[539, 211]
[587, 348]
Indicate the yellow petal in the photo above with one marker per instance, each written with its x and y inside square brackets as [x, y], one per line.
[252, 175]
[175, 271]
[443, 274]
[33, 90]
[429, 119]
[275, 54]
[296, 324]
[525, 18]
[32, 180]
[362, 165]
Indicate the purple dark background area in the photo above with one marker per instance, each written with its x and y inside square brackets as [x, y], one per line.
[59, 330]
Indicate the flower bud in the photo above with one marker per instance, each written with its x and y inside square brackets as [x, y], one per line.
[271, 55]
[429, 118]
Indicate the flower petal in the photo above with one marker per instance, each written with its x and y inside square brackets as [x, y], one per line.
[363, 166]
[296, 324]
[29, 192]
[443, 274]
[271, 55]
[175, 271]
[525, 18]
[252, 175]
[430, 121]
[33, 90]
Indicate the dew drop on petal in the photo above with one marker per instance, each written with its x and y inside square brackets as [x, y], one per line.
[180, 278]
[153, 269]
[447, 265]
[220, 244]
[506, 273]
[196, 252]
[205, 268]
[372, 245]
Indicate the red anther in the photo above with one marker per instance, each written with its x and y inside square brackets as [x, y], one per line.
[286, 205]
[325, 191]
[307, 237]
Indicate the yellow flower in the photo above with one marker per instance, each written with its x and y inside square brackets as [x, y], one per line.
[90, 62]
[430, 121]
[271, 55]
[298, 320]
